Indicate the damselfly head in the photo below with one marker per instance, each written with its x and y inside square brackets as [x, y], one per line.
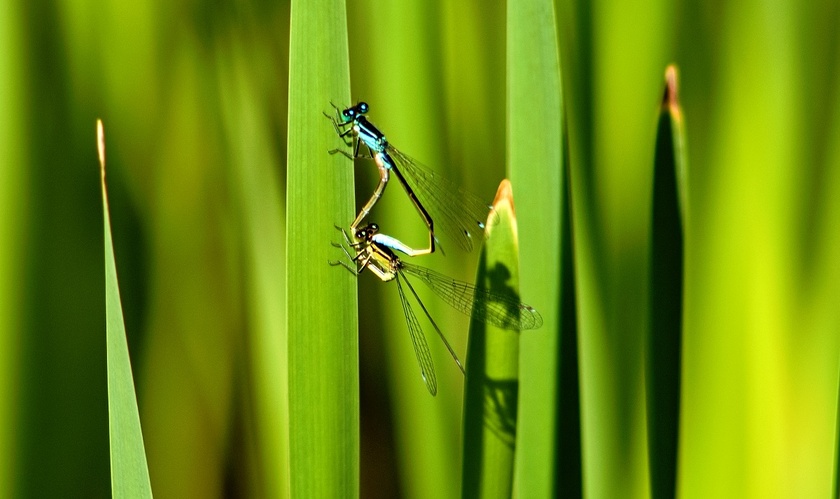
[367, 232]
[352, 112]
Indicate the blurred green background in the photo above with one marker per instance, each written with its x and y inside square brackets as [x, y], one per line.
[759, 88]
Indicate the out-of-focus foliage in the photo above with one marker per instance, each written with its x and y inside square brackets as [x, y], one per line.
[177, 82]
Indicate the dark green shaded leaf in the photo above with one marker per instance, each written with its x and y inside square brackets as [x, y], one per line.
[666, 303]
[492, 383]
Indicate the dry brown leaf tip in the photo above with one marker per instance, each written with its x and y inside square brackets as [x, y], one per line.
[504, 194]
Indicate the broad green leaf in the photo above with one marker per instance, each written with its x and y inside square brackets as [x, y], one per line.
[537, 166]
[13, 223]
[129, 471]
[321, 300]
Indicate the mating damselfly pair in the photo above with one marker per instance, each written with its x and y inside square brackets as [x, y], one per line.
[438, 201]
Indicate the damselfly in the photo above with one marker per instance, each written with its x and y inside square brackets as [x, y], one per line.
[375, 252]
[458, 212]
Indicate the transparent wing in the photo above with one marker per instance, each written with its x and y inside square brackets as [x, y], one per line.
[442, 336]
[500, 309]
[418, 340]
[459, 213]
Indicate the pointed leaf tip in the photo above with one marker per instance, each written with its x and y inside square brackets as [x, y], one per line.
[670, 98]
[100, 145]
[504, 194]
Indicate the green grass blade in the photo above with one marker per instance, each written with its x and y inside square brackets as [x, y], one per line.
[536, 164]
[129, 471]
[492, 383]
[13, 223]
[321, 300]
[664, 342]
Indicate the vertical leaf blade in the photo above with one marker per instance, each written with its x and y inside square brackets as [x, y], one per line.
[664, 348]
[492, 382]
[129, 470]
[321, 300]
[13, 223]
[536, 164]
